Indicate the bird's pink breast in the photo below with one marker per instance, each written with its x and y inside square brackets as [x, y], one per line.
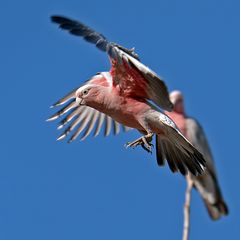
[125, 110]
[129, 112]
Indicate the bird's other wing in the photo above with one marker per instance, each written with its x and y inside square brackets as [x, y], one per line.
[177, 150]
[197, 137]
[82, 119]
[140, 81]
[207, 184]
[137, 80]
[79, 29]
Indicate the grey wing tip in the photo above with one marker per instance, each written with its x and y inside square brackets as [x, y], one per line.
[79, 29]
[201, 160]
[58, 19]
[54, 18]
[160, 156]
[60, 126]
[61, 137]
[198, 168]
[48, 120]
[55, 104]
[52, 118]
[179, 161]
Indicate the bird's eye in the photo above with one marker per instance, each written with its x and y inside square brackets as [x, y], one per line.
[85, 92]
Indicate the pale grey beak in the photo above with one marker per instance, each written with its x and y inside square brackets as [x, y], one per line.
[80, 101]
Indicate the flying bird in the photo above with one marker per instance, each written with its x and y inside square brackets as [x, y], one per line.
[207, 183]
[130, 94]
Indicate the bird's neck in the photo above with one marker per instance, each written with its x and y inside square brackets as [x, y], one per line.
[102, 101]
[179, 108]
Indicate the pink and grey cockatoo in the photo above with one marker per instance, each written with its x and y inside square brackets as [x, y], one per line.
[122, 96]
[207, 183]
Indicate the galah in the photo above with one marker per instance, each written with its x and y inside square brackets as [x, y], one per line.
[122, 97]
[207, 183]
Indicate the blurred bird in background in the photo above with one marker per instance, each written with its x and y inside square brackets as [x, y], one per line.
[206, 184]
[122, 96]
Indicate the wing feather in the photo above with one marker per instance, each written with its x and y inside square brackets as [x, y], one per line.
[83, 118]
[99, 124]
[116, 128]
[81, 127]
[108, 125]
[73, 124]
[65, 98]
[64, 110]
[172, 146]
[70, 116]
[91, 125]
[155, 89]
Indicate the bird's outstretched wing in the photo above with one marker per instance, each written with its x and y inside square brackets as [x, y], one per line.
[138, 80]
[82, 119]
[173, 147]
[206, 184]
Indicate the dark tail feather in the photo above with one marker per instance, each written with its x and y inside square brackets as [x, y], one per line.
[160, 156]
[177, 160]
[216, 210]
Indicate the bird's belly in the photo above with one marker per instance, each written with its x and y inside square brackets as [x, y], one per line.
[128, 112]
[126, 118]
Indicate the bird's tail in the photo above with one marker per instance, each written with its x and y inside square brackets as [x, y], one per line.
[216, 210]
[208, 187]
[179, 153]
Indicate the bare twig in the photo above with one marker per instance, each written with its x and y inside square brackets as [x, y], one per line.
[186, 211]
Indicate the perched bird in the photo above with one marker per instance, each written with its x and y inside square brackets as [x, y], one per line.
[122, 96]
[207, 183]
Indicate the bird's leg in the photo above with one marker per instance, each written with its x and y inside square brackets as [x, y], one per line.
[144, 141]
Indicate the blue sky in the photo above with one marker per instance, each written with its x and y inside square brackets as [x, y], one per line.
[97, 189]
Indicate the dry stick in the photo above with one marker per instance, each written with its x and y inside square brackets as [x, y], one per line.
[186, 225]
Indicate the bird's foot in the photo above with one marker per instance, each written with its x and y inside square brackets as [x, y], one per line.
[144, 141]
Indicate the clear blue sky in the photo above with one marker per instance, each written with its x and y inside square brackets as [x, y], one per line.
[97, 189]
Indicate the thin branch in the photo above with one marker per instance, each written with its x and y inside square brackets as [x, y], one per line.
[186, 211]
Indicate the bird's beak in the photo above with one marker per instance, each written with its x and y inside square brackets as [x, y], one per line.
[80, 101]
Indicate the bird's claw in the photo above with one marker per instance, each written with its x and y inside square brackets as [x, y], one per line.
[144, 141]
[147, 147]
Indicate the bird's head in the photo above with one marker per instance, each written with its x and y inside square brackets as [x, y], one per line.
[87, 94]
[177, 100]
